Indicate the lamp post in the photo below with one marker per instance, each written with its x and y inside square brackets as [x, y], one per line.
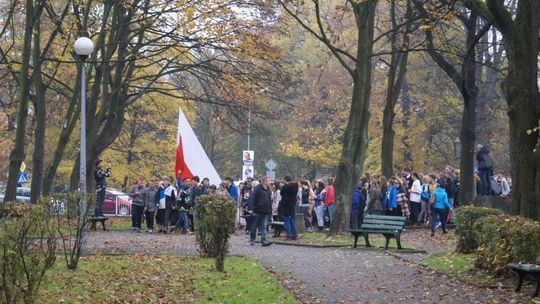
[83, 48]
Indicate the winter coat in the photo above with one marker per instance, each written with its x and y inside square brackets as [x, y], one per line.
[403, 203]
[100, 176]
[289, 193]
[375, 200]
[329, 199]
[358, 199]
[233, 191]
[137, 198]
[390, 202]
[485, 162]
[260, 200]
[319, 197]
[150, 202]
[441, 199]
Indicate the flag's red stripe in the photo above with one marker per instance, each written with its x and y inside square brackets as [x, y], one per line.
[181, 161]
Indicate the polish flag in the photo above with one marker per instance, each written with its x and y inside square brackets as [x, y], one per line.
[190, 155]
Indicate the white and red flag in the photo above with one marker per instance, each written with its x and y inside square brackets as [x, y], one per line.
[190, 155]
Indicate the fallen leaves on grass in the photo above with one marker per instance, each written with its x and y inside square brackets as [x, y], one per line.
[160, 279]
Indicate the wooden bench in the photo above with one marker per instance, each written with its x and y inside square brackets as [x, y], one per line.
[278, 227]
[389, 226]
[523, 270]
[94, 219]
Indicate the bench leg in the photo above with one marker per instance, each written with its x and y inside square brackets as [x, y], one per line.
[387, 241]
[356, 236]
[536, 289]
[519, 280]
[103, 225]
[93, 226]
[398, 240]
[366, 239]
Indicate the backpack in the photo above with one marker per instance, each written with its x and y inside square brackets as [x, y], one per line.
[432, 199]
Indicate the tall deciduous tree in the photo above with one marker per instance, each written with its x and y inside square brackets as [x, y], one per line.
[395, 81]
[462, 68]
[32, 15]
[522, 45]
[359, 67]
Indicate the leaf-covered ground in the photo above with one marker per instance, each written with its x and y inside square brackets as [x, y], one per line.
[161, 279]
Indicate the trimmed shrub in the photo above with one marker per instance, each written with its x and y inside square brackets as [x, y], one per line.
[214, 223]
[506, 239]
[28, 250]
[465, 217]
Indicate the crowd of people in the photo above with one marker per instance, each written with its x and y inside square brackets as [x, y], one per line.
[425, 199]
[170, 203]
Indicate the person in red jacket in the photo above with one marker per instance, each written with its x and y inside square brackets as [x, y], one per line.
[329, 200]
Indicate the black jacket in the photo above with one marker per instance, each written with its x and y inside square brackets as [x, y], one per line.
[100, 176]
[289, 193]
[485, 162]
[260, 200]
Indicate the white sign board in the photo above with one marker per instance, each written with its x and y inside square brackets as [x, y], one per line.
[248, 157]
[247, 171]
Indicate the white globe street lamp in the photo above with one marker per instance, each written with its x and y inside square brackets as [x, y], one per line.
[83, 48]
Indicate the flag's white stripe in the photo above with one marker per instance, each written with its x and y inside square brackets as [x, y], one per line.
[194, 155]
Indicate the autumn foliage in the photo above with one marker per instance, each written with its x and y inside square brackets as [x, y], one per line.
[28, 250]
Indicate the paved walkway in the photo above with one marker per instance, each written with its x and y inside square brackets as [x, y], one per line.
[322, 275]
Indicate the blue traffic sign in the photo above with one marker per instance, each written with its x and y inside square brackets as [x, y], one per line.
[23, 178]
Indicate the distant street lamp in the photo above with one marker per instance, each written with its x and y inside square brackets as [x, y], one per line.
[83, 48]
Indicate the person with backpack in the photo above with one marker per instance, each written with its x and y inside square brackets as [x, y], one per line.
[485, 167]
[440, 207]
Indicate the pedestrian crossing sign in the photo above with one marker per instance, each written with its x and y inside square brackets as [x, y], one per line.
[23, 178]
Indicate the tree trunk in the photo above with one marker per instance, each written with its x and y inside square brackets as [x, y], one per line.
[72, 115]
[523, 99]
[40, 113]
[17, 154]
[467, 137]
[406, 110]
[396, 76]
[521, 90]
[356, 136]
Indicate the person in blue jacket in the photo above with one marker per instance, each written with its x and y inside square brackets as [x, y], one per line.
[440, 208]
[358, 205]
[231, 187]
[390, 200]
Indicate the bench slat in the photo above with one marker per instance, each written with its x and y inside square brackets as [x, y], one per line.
[394, 223]
[374, 231]
[386, 217]
[382, 227]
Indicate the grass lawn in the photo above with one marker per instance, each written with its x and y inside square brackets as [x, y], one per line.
[462, 266]
[450, 262]
[161, 279]
[321, 238]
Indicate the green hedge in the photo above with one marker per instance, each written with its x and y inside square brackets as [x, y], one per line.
[505, 239]
[465, 217]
